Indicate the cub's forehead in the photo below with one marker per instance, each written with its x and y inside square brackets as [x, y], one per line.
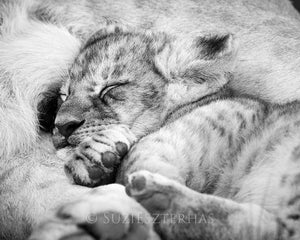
[89, 85]
[115, 58]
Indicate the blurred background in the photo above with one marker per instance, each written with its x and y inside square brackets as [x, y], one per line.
[296, 4]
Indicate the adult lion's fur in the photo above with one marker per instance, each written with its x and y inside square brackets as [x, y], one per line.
[33, 59]
[38, 42]
[33, 56]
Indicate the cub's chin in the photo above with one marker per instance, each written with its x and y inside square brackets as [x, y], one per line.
[59, 140]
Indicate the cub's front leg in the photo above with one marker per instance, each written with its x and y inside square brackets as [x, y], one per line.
[193, 151]
[195, 148]
[95, 160]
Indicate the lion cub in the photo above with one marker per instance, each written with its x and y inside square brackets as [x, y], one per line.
[161, 102]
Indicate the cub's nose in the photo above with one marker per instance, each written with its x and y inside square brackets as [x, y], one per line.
[67, 125]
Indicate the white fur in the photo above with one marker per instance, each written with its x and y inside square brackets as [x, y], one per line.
[32, 57]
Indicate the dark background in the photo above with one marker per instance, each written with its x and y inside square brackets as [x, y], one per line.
[296, 4]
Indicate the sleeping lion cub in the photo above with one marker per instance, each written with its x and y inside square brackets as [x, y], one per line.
[203, 164]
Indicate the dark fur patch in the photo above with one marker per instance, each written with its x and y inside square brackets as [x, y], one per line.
[121, 53]
[296, 154]
[251, 161]
[42, 14]
[216, 126]
[47, 109]
[230, 140]
[296, 179]
[242, 120]
[96, 38]
[150, 98]
[105, 73]
[197, 75]
[283, 180]
[294, 217]
[210, 46]
[189, 179]
[294, 200]
[1, 21]
[118, 70]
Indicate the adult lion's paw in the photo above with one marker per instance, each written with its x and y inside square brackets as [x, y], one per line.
[105, 213]
[97, 158]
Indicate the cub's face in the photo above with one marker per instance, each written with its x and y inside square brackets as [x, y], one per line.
[137, 79]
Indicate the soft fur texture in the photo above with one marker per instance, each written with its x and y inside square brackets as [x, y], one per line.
[243, 152]
[39, 40]
[34, 58]
[136, 80]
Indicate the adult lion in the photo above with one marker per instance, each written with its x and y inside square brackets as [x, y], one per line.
[39, 40]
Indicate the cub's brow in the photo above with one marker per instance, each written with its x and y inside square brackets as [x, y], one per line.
[116, 82]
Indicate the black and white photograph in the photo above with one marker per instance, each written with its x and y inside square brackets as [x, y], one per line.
[149, 119]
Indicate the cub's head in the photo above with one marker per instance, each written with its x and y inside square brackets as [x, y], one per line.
[138, 78]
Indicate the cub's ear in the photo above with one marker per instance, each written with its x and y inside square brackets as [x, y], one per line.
[197, 58]
[196, 66]
[215, 46]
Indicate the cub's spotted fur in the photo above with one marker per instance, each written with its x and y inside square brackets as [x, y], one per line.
[234, 161]
[39, 40]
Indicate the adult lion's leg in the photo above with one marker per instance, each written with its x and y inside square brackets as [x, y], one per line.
[32, 186]
[105, 212]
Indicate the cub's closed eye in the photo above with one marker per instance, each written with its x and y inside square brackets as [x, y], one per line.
[107, 89]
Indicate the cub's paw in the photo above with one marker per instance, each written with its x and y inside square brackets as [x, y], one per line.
[104, 213]
[153, 191]
[174, 208]
[97, 158]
